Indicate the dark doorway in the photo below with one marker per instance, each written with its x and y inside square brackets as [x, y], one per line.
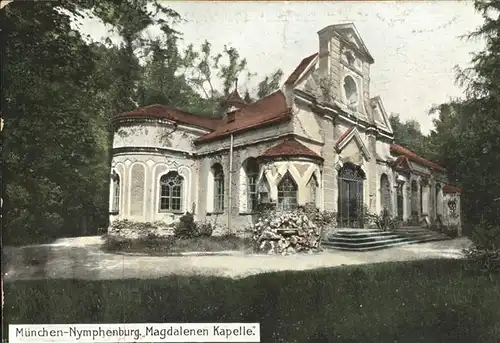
[350, 200]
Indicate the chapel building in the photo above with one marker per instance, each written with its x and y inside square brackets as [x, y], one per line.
[323, 138]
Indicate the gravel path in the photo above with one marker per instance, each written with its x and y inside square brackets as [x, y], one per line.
[82, 258]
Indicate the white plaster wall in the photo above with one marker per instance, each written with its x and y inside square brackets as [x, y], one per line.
[240, 220]
[301, 172]
[156, 135]
[383, 149]
[155, 165]
[385, 169]
[307, 124]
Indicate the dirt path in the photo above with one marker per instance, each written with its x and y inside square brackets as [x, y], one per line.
[82, 258]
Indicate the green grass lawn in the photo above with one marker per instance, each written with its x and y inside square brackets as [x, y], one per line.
[432, 301]
[173, 245]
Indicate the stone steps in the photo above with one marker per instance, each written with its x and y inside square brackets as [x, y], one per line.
[362, 240]
[419, 231]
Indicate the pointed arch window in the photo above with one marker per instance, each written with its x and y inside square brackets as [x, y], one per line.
[385, 192]
[171, 192]
[351, 91]
[414, 200]
[115, 204]
[421, 197]
[218, 174]
[400, 199]
[439, 200]
[252, 174]
[287, 193]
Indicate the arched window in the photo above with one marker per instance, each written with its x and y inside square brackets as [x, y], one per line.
[350, 202]
[421, 196]
[312, 186]
[400, 199]
[115, 205]
[218, 174]
[252, 174]
[351, 91]
[171, 192]
[287, 193]
[414, 200]
[385, 193]
[439, 200]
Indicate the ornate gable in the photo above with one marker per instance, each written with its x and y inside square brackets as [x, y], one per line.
[351, 37]
[380, 117]
[352, 139]
[304, 67]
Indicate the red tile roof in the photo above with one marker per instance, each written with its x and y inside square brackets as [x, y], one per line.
[398, 149]
[402, 162]
[290, 147]
[300, 69]
[447, 189]
[271, 109]
[169, 113]
[344, 135]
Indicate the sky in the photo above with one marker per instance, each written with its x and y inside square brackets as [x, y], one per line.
[416, 45]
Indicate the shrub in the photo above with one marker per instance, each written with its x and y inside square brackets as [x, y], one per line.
[485, 250]
[384, 221]
[125, 224]
[204, 229]
[450, 230]
[320, 218]
[186, 227]
[148, 243]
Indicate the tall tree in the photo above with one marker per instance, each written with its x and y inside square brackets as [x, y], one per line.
[50, 147]
[58, 95]
[59, 92]
[131, 18]
[467, 133]
[408, 134]
[204, 70]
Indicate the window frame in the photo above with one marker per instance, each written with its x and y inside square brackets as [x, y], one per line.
[178, 182]
[252, 176]
[350, 82]
[282, 194]
[116, 196]
[218, 181]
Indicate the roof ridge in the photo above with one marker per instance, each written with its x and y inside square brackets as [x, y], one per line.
[283, 148]
[411, 154]
[301, 67]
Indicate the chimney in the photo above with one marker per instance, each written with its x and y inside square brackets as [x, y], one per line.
[230, 117]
